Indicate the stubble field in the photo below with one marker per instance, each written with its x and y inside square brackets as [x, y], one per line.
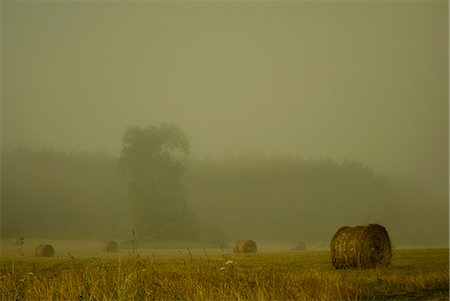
[214, 274]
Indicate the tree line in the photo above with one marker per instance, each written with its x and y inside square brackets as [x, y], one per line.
[156, 188]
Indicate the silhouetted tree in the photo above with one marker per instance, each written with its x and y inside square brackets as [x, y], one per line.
[149, 159]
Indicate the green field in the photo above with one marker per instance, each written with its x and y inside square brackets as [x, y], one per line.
[214, 274]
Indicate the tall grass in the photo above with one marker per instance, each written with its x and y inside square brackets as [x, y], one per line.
[419, 274]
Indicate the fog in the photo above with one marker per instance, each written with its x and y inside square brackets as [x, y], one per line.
[363, 82]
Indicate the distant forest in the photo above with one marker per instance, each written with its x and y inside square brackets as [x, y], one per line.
[272, 198]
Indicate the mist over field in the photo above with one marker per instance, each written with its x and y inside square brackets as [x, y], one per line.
[215, 121]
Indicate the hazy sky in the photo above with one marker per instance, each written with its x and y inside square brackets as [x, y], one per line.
[360, 80]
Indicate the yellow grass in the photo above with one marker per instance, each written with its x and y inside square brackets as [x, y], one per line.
[221, 275]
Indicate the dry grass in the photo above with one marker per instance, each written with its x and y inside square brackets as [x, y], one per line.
[414, 274]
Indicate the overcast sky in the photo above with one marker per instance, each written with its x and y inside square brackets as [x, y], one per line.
[359, 80]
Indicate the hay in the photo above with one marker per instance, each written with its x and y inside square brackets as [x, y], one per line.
[245, 246]
[361, 247]
[110, 246]
[301, 246]
[44, 251]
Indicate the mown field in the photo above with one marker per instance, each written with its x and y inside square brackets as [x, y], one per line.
[203, 274]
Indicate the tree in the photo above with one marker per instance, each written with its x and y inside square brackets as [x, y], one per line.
[149, 159]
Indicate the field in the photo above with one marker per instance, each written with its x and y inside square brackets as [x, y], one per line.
[215, 274]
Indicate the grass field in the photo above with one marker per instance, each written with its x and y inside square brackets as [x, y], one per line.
[199, 274]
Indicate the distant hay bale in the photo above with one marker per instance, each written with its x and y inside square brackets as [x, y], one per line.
[110, 246]
[245, 246]
[301, 246]
[44, 251]
[361, 247]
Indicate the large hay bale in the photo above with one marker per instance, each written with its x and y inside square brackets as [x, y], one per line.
[361, 247]
[301, 246]
[44, 251]
[245, 246]
[110, 246]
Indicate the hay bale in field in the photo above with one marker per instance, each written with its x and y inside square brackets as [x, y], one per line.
[301, 246]
[245, 246]
[361, 247]
[44, 251]
[110, 246]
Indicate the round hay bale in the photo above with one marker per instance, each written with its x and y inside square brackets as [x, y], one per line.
[301, 246]
[361, 247]
[245, 246]
[44, 251]
[111, 246]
